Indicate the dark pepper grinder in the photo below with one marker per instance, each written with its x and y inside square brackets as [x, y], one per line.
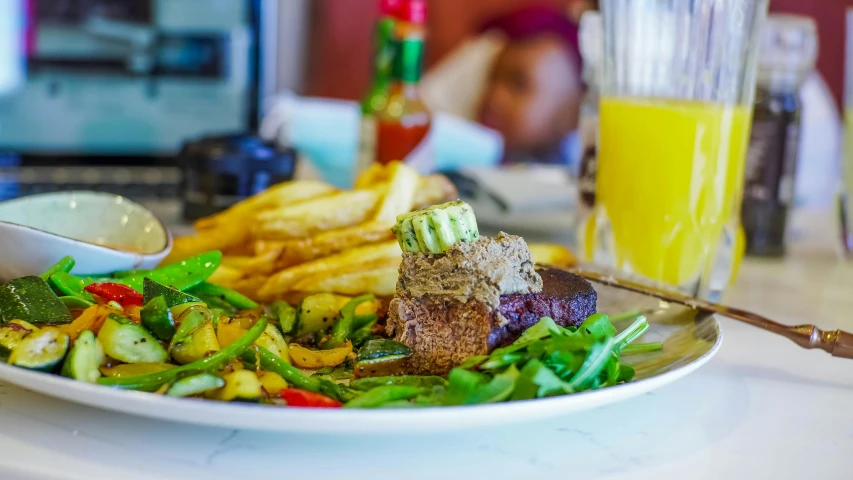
[219, 171]
[786, 57]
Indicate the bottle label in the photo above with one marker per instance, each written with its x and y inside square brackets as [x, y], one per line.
[771, 162]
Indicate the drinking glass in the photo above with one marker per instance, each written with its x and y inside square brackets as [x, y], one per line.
[677, 86]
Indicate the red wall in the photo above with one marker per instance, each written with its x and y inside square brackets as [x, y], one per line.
[830, 15]
[338, 64]
[339, 58]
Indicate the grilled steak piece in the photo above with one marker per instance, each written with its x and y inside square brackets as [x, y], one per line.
[565, 297]
[444, 331]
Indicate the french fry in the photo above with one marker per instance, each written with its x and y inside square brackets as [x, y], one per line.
[403, 180]
[225, 238]
[225, 276]
[378, 277]
[317, 215]
[284, 280]
[552, 254]
[374, 175]
[276, 196]
[329, 243]
[434, 189]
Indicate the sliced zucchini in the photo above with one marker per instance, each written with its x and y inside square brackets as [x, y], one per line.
[195, 385]
[136, 369]
[84, 359]
[128, 342]
[157, 318]
[317, 313]
[240, 386]
[273, 341]
[381, 348]
[381, 357]
[12, 334]
[151, 289]
[41, 350]
[200, 343]
[31, 299]
[178, 310]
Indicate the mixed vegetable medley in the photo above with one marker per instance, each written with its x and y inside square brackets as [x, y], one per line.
[170, 332]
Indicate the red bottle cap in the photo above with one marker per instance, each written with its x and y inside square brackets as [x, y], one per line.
[413, 11]
[390, 8]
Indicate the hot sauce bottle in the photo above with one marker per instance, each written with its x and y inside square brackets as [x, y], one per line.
[404, 122]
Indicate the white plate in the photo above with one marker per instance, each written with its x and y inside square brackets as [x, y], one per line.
[689, 342]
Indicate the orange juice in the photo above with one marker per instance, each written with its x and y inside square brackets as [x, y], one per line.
[670, 179]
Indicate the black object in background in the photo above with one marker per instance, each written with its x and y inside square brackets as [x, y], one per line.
[786, 57]
[771, 164]
[219, 171]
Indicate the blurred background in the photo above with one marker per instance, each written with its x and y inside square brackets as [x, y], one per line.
[209, 101]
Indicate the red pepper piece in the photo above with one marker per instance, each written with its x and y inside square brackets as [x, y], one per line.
[303, 398]
[117, 292]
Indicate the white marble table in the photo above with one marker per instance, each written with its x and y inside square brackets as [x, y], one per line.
[763, 408]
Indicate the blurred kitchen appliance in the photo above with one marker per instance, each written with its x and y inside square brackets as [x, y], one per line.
[219, 171]
[109, 77]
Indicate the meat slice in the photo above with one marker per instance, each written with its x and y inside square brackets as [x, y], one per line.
[565, 297]
[443, 331]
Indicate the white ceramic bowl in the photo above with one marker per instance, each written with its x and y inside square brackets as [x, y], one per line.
[102, 231]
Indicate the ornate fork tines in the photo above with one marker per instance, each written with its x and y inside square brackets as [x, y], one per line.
[838, 343]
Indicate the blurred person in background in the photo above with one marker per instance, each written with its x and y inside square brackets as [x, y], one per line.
[520, 75]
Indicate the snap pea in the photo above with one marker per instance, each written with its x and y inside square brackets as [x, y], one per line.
[71, 286]
[236, 299]
[380, 396]
[271, 363]
[153, 381]
[181, 275]
[64, 265]
[343, 329]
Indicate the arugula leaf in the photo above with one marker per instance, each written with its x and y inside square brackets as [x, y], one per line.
[496, 362]
[461, 384]
[626, 373]
[612, 370]
[631, 333]
[598, 327]
[542, 329]
[497, 390]
[474, 361]
[595, 361]
[546, 381]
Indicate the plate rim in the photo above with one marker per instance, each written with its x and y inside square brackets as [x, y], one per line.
[339, 421]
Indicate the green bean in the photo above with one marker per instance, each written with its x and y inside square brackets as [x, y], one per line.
[272, 363]
[379, 396]
[342, 330]
[421, 381]
[208, 364]
[238, 300]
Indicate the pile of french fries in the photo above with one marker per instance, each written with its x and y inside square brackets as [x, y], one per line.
[305, 237]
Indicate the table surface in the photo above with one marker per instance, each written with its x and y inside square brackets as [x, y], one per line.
[762, 408]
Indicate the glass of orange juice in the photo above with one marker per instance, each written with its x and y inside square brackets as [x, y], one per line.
[677, 86]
